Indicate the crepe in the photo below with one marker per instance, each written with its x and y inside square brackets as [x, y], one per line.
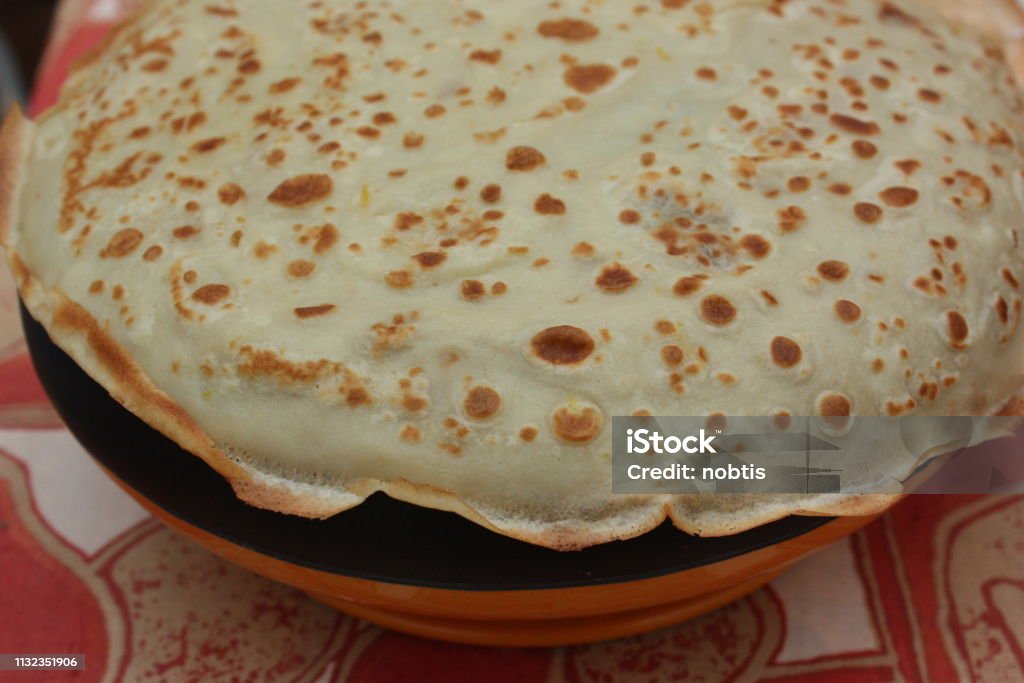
[432, 248]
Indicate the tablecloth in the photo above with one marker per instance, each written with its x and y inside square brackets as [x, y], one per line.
[934, 591]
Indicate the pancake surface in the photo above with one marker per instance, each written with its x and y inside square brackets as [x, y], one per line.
[431, 248]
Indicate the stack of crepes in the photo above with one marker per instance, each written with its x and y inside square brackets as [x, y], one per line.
[430, 252]
[932, 592]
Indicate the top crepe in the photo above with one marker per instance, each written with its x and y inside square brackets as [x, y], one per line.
[431, 248]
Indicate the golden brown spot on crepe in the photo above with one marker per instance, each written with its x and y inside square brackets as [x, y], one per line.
[185, 232]
[155, 65]
[414, 404]
[153, 253]
[96, 287]
[491, 193]
[571, 30]
[899, 197]
[410, 434]
[1010, 278]
[123, 243]
[546, 205]
[275, 157]
[575, 425]
[957, 329]
[473, 290]
[486, 56]
[791, 218]
[847, 311]
[588, 78]
[430, 259]
[782, 420]
[496, 96]
[412, 140]
[301, 268]
[230, 193]
[686, 286]
[264, 250]
[672, 355]
[629, 217]
[562, 345]
[835, 405]
[867, 212]
[327, 237]
[864, 149]
[404, 221]
[211, 294]
[615, 278]
[266, 363]
[434, 111]
[283, 85]
[717, 310]
[908, 166]
[737, 113]
[399, 279]
[191, 182]
[798, 184]
[302, 190]
[523, 159]
[583, 250]
[1003, 310]
[706, 73]
[528, 434]
[208, 145]
[855, 126]
[785, 352]
[929, 96]
[482, 403]
[249, 66]
[891, 13]
[189, 123]
[833, 271]
[756, 246]
[314, 311]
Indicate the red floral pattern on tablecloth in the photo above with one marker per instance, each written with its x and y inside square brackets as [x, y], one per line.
[934, 591]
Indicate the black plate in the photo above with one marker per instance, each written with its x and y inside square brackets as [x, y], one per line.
[382, 539]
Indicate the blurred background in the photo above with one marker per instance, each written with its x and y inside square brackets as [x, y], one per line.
[24, 31]
[24, 26]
